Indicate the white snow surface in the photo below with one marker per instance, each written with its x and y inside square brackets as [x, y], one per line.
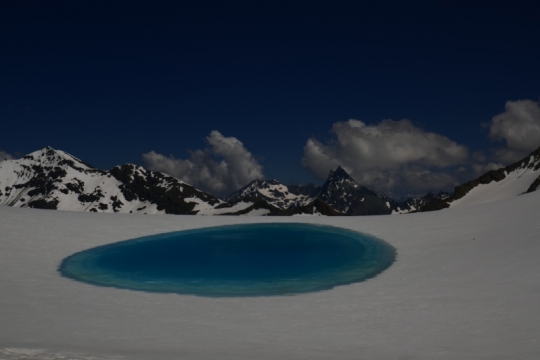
[465, 285]
[515, 183]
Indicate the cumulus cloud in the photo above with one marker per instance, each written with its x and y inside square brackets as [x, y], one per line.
[480, 165]
[222, 167]
[390, 156]
[519, 127]
[5, 156]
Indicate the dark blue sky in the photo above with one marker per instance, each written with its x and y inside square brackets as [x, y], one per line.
[110, 80]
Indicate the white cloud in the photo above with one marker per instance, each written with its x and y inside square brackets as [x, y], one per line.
[391, 156]
[222, 167]
[5, 156]
[519, 126]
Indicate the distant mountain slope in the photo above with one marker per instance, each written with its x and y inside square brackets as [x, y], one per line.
[413, 205]
[276, 193]
[53, 179]
[349, 198]
[260, 206]
[339, 195]
[513, 180]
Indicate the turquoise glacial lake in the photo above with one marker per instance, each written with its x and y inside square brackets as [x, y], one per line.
[235, 260]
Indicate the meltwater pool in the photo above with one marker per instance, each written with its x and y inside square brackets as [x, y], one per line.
[235, 260]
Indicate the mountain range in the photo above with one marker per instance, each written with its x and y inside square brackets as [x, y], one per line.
[53, 179]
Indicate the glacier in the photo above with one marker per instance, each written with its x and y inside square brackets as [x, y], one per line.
[465, 285]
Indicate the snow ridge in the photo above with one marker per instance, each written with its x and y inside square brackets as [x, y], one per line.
[516, 179]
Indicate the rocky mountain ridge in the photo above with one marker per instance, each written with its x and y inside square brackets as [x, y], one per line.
[516, 179]
[276, 193]
[53, 179]
[340, 192]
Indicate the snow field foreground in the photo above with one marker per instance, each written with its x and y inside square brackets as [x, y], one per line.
[465, 285]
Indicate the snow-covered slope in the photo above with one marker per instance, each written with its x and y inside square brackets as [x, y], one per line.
[274, 193]
[465, 285]
[53, 179]
[513, 180]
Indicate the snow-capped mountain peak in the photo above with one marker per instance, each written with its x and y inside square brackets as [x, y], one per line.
[53, 179]
[339, 174]
[49, 157]
[273, 192]
[348, 197]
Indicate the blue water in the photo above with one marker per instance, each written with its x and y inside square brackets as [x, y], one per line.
[235, 260]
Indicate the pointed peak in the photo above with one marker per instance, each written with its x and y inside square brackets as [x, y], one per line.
[339, 173]
[53, 156]
[255, 182]
[43, 152]
[48, 150]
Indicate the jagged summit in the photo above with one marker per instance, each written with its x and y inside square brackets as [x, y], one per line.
[273, 192]
[348, 197]
[340, 192]
[339, 173]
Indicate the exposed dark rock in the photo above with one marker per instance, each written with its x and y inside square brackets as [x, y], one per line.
[116, 204]
[77, 186]
[166, 192]
[44, 204]
[341, 192]
[95, 196]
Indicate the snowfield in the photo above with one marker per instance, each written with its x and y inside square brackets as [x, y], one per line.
[515, 183]
[466, 285]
